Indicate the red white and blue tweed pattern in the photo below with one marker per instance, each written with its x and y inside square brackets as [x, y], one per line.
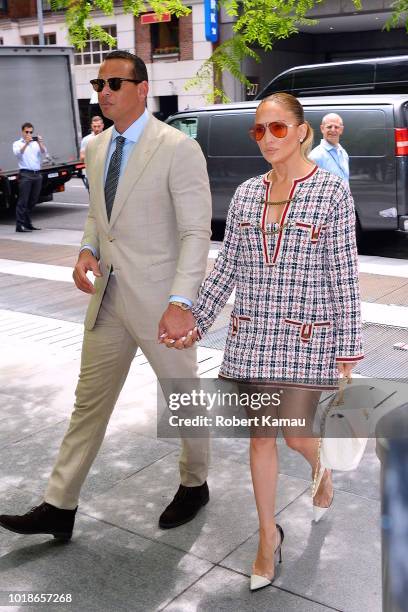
[297, 302]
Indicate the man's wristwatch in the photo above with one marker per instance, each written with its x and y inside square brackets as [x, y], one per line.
[181, 305]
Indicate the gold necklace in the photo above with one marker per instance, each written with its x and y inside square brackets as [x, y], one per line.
[270, 203]
[279, 202]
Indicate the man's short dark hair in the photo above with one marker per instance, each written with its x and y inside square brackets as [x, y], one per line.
[96, 118]
[26, 125]
[139, 67]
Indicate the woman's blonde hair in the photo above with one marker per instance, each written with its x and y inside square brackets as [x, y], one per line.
[293, 105]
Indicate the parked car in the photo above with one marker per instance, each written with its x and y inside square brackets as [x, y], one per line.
[375, 137]
[374, 75]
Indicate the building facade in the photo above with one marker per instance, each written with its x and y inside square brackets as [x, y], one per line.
[173, 50]
[176, 48]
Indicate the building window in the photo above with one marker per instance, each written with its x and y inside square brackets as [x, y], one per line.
[165, 37]
[33, 39]
[94, 51]
[3, 5]
[1, 41]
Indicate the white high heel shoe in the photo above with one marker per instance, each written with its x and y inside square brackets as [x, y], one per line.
[259, 582]
[319, 512]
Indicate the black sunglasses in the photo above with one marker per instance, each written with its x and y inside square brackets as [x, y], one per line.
[115, 83]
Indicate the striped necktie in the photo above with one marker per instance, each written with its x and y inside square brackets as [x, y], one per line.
[112, 177]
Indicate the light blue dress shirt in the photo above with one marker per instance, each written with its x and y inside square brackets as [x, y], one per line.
[331, 158]
[132, 136]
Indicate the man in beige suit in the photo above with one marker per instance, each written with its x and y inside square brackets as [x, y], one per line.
[146, 240]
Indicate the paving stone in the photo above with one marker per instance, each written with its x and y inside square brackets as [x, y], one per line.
[103, 567]
[336, 561]
[382, 289]
[38, 253]
[221, 526]
[120, 456]
[221, 590]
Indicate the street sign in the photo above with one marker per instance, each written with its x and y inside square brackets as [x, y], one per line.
[211, 20]
[148, 18]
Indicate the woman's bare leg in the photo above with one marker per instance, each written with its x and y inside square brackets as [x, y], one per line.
[300, 403]
[264, 472]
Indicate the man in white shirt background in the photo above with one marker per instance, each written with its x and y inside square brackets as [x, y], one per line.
[97, 126]
[329, 154]
[29, 151]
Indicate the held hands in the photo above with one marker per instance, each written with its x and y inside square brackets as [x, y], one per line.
[86, 262]
[177, 328]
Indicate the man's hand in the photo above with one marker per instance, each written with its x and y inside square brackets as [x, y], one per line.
[27, 139]
[345, 368]
[177, 328]
[86, 262]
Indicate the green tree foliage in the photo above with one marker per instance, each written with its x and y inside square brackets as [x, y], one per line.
[80, 23]
[258, 24]
[399, 13]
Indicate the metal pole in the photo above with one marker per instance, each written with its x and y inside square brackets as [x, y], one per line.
[40, 22]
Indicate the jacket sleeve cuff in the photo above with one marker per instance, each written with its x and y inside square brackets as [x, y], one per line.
[180, 298]
[89, 247]
[349, 358]
[199, 324]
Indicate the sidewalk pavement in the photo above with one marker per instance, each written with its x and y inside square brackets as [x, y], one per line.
[118, 558]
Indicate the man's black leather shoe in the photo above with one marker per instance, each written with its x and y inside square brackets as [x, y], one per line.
[44, 518]
[22, 228]
[185, 505]
[32, 227]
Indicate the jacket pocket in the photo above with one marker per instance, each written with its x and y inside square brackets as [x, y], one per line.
[315, 231]
[236, 321]
[307, 329]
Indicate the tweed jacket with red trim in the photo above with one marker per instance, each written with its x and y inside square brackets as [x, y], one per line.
[297, 302]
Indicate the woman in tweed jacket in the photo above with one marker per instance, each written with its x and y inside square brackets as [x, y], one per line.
[290, 254]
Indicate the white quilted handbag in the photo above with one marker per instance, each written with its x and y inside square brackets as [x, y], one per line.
[345, 424]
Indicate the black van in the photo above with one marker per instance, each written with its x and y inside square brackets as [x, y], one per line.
[376, 75]
[375, 137]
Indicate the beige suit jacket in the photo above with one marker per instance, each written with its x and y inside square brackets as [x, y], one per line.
[158, 236]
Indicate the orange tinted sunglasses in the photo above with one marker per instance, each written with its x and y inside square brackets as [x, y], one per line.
[279, 129]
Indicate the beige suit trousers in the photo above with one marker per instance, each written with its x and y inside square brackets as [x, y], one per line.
[107, 353]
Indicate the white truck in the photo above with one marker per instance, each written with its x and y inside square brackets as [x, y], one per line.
[37, 86]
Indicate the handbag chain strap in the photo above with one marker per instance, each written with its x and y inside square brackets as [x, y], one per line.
[337, 400]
